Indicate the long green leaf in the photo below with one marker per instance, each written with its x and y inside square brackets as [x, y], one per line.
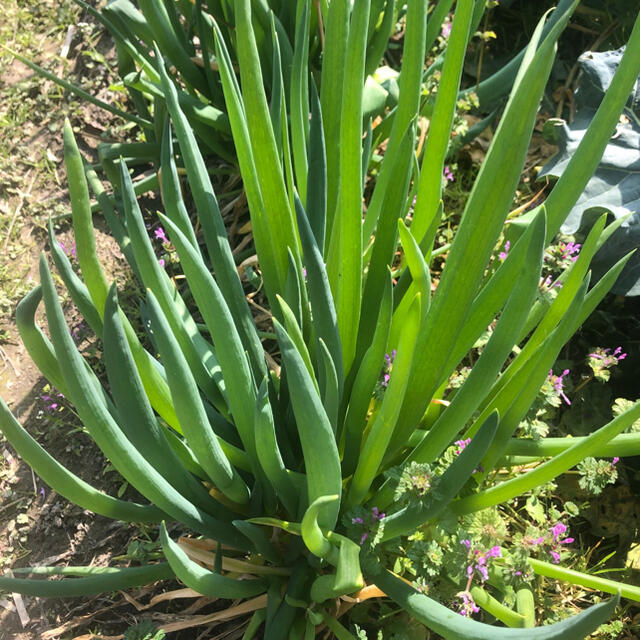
[213, 226]
[191, 413]
[199, 354]
[107, 434]
[136, 415]
[268, 452]
[236, 371]
[410, 88]
[277, 209]
[344, 264]
[453, 626]
[202, 580]
[364, 383]
[481, 225]
[437, 144]
[550, 469]
[322, 462]
[385, 428]
[488, 366]
[81, 587]
[299, 99]
[331, 97]
[36, 342]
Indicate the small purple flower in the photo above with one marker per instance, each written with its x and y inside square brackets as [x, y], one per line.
[160, 235]
[615, 461]
[42, 492]
[446, 30]
[357, 520]
[571, 251]
[502, 256]
[161, 262]
[467, 606]
[462, 444]
[466, 543]
[364, 536]
[558, 385]
[619, 356]
[376, 515]
[555, 556]
[448, 174]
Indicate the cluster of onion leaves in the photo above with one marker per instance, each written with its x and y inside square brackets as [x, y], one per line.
[268, 461]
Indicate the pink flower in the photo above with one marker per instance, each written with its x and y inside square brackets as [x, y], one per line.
[446, 30]
[502, 256]
[462, 444]
[160, 235]
[557, 384]
[448, 174]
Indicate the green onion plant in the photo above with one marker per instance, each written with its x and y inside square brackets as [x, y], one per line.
[274, 460]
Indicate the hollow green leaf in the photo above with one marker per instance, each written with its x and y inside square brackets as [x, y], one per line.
[268, 451]
[236, 370]
[385, 430]
[108, 435]
[344, 263]
[191, 413]
[322, 462]
[202, 580]
[453, 626]
[551, 469]
[127, 578]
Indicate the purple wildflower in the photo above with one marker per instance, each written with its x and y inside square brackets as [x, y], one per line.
[448, 174]
[502, 256]
[357, 520]
[364, 536]
[555, 556]
[446, 30]
[467, 606]
[462, 444]
[615, 461]
[571, 251]
[558, 385]
[161, 262]
[160, 235]
[557, 530]
[376, 514]
[466, 543]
